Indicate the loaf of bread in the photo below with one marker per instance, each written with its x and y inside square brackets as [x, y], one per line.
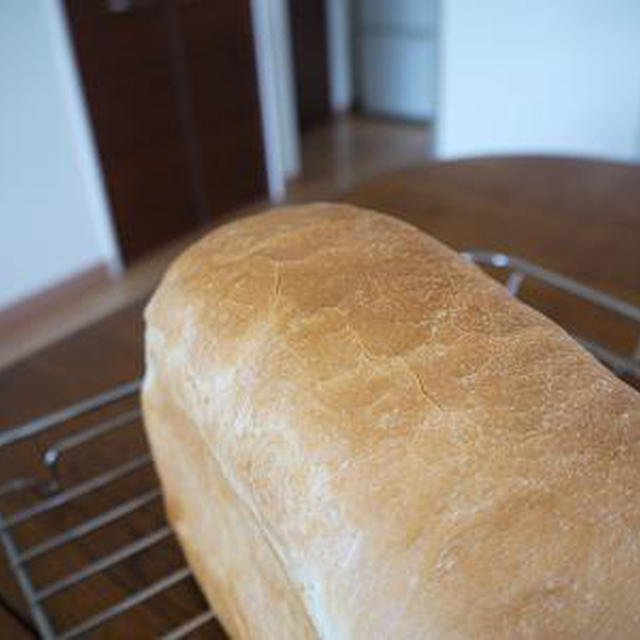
[361, 436]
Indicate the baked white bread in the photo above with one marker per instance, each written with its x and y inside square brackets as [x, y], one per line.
[360, 435]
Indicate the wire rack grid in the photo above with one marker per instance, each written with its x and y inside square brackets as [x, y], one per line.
[47, 482]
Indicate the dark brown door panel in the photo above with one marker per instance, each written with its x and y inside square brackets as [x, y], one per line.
[311, 62]
[172, 95]
[220, 69]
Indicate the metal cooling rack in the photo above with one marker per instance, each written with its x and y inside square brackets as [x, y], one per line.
[46, 480]
[518, 270]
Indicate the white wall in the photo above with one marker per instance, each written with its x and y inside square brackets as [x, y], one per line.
[550, 76]
[396, 57]
[53, 215]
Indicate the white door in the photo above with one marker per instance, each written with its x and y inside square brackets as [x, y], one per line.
[396, 57]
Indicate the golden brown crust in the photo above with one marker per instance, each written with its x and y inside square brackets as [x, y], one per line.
[423, 455]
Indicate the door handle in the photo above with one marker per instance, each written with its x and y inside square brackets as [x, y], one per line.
[128, 6]
[119, 6]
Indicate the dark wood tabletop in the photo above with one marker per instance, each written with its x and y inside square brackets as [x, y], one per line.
[580, 218]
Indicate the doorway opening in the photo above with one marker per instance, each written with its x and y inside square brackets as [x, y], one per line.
[360, 87]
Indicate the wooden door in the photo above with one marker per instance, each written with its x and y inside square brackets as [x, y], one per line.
[163, 80]
[310, 61]
[222, 80]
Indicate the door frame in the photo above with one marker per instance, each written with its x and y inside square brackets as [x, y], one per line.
[276, 90]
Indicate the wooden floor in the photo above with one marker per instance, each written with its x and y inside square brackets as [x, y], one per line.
[334, 158]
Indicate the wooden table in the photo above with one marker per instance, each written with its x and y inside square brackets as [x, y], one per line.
[577, 217]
